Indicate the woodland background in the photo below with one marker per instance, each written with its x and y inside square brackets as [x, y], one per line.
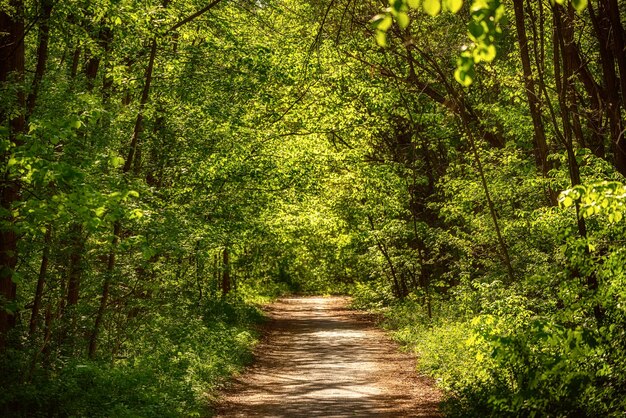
[168, 165]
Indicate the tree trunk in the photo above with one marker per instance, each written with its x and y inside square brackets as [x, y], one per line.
[541, 147]
[41, 280]
[504, 251]
[11, 70]
[75, 266]
[619, 51]
[225, 272]
[42, 53]
[610, 87]
[104, 297]
[396, 282]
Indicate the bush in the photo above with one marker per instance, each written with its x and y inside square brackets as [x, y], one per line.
[171, 369]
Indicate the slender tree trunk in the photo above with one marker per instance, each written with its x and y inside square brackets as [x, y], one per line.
[504, 251]
[142, 104]
[618, 44]
[199, 270]
[41, 280]
[396, 282]
[104, 297]
[541, 147]
[11, 71]
[75, 266]
[42, 53]
[539, 135]
[75, 63]
[611, 94]
[117, 225]
[226, 284]
[561, 37]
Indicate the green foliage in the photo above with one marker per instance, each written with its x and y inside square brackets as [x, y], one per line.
[278, 149]
[373, 295]
[169, 369]
[606, 198]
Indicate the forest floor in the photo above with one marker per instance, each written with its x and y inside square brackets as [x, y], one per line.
[321, 359]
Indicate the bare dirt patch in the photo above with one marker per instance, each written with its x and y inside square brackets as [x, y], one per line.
[320, 359]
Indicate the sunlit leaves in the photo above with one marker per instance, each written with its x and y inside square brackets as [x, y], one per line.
[484, 28]
[452, 5]
[116, 161]
[484, 31]
[432, 7]
[606, 197]
[579, 5]
[382, 23]
[403, 19]
[465, 71]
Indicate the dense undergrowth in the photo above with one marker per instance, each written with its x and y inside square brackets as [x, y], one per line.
[494, 354]
[171, 368]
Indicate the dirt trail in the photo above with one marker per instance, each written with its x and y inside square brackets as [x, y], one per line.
[323, 360]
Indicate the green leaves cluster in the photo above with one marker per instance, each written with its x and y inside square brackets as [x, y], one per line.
[484, 29]
[607, 198]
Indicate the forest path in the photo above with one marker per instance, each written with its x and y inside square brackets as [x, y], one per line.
[321, 359]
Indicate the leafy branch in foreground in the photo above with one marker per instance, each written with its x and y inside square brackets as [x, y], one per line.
[483, 30]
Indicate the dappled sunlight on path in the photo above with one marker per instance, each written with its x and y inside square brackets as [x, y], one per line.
[323, 360]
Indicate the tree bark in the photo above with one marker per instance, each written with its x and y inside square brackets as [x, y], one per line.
[529, 84]
[104, 296]
[619, 51]
[226, 285]
[42, 53]
[610, 86]
[540, 143]
[396, 283]
[75, 266]
[11, 70]
[41, 280]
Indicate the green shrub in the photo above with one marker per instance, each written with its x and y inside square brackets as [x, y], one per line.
[171, 369]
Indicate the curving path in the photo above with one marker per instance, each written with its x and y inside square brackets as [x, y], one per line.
[322, 360]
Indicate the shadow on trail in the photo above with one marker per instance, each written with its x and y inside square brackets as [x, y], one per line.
[321, 360]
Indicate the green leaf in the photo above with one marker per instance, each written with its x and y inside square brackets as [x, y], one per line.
[403, 20]
[381, 38]
[375, 21]
[567, 202]
[453, 5]
[579, 5]
[382, 22]
[463, 77]
[432, 7]
[414, 4]
[488, 53]
[116, 161]
[475, 29]
[136, 214]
